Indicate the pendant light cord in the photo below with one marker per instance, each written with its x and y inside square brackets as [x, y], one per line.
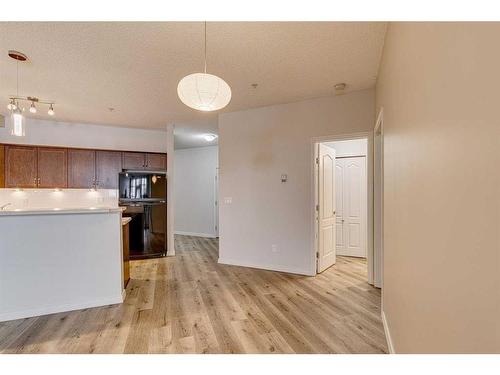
[17, 77]
[205, 47]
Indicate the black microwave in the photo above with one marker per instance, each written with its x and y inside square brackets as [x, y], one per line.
[145, 186]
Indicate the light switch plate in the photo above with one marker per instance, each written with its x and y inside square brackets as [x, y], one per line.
[228, 200]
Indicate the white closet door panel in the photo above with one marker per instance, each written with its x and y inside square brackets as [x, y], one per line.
[339, 200]
[353, 221]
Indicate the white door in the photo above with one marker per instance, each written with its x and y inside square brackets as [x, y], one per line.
[326, 207]
[351, 206]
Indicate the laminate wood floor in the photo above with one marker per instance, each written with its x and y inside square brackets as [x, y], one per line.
[191, 304]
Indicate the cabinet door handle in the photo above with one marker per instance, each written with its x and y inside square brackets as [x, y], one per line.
[34, 181]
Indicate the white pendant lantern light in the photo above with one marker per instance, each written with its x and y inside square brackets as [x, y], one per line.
[203, 91]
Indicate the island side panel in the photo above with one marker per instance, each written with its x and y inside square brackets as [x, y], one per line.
[55, 263]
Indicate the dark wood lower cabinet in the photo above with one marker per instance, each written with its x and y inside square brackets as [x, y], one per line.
[21, 166]
[52, 167]
[81, 168]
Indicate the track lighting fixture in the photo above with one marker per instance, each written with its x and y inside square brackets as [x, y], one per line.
[12, 105]
[18, 125]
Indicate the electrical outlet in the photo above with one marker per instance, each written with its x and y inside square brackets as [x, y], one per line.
[274, 248]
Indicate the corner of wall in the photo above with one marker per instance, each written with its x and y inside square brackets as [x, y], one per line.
[388, 337]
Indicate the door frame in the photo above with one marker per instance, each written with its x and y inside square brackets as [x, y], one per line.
[369, 189]
[216, 202]
[378, 235]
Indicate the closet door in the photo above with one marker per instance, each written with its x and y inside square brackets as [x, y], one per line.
[353, 200]
[339, 199]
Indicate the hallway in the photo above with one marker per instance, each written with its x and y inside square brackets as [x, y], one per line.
[191, 304]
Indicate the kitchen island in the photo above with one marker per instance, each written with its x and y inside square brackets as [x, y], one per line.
[59, 259]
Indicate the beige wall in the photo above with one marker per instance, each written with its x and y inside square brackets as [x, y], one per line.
[257, 146]
[439, 87]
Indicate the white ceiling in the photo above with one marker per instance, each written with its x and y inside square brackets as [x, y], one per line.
[135, 67]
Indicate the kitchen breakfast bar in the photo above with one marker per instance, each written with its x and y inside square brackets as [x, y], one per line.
[59, 258]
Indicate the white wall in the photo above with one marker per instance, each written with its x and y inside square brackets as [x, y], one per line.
[353, 147]
[438, 86]
[194, 193]
[256, 147]
[52, 133]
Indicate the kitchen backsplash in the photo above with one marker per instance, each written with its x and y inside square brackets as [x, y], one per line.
[63, 198]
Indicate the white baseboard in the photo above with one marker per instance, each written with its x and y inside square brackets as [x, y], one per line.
[267, 267]
[387, 334]
[194, 234]
[45, 310]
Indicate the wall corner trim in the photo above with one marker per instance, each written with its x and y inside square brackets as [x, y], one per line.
[387, 334]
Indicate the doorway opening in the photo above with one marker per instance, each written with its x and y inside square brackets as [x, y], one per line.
[343, 209]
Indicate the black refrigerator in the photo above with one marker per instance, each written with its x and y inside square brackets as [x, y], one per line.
[144, 196]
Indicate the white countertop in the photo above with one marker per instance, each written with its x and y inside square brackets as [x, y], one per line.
[58, 211]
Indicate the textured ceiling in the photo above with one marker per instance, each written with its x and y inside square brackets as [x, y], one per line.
[135, 67]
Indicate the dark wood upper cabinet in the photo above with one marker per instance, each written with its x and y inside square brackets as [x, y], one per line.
[134, 160]
[52, 167]
[20, 166]
[2, 166]
[81, 168]
[108, 165]
[57, 167]
[156, 162]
